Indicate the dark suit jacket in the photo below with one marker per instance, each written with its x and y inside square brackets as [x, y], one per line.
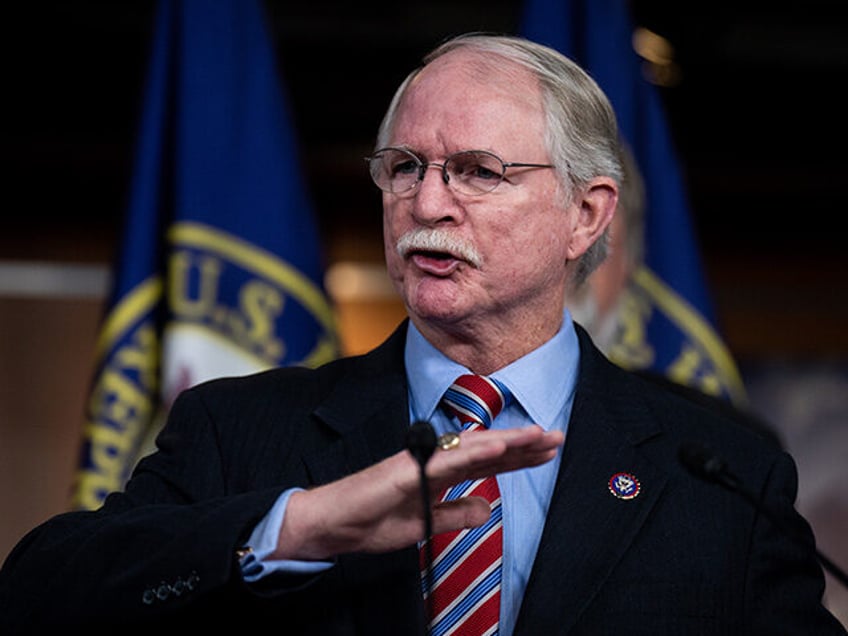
[682, 557]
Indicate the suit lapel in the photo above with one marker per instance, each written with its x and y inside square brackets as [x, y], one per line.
[588, 529]
[368, 412]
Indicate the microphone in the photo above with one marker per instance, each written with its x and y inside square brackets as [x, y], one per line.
[702, 462]
[421, 443]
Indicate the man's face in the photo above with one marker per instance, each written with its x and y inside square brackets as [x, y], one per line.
[520, 230]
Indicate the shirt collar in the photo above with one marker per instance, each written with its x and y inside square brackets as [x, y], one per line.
[542, 381]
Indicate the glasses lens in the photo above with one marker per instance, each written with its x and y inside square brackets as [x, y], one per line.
[474, 171]
[395, 170]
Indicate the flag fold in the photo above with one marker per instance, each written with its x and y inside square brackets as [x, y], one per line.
[219, 270]
[670, 327]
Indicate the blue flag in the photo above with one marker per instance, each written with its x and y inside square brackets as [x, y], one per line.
[219, 271]
[671, 330]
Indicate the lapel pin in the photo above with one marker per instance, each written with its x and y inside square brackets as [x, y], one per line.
[624, 485]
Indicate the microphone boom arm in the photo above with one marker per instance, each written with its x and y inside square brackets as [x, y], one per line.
[704, 464]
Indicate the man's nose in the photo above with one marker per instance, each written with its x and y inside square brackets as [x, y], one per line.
[433, 164]
[435, 200]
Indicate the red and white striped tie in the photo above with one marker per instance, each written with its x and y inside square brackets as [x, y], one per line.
[466, 576]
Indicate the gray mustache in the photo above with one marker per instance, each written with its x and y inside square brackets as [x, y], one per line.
[438, 240]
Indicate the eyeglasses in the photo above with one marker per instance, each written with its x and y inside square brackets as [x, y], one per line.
[471, 172]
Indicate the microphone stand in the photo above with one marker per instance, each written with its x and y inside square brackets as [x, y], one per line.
[421, 443]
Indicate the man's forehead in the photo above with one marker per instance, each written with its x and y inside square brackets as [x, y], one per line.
[478, 70]
[449, 93]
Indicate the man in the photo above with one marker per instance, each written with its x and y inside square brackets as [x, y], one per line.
[287, 502]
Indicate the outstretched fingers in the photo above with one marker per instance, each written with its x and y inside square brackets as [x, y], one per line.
[484, 453]
[465, 512]
[379, 508]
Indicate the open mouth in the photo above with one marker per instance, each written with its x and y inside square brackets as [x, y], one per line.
[432, 254]
[435, 263]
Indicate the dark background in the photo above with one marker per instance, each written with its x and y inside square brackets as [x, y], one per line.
[757, 112]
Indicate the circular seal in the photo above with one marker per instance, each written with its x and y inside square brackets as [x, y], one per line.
[624, 485]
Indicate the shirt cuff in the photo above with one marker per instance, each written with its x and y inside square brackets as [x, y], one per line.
[263, 541]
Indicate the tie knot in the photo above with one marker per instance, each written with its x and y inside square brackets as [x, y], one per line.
[476, 398]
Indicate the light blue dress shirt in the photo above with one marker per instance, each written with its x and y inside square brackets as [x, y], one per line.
[542, 383]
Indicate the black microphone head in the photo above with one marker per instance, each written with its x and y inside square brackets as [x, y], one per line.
[421, 441]
[700, 460]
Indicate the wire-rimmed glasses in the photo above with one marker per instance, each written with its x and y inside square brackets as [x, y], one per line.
[471, 172]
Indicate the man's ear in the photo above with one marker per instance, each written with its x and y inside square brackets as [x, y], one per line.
[595, 209]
